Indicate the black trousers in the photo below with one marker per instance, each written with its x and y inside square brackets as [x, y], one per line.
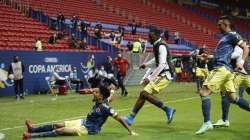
[120, 79]
[18, 86]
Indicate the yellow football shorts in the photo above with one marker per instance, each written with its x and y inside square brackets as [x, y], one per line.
[154, 87]
[201, 72]
[220, 79]
[2, 84]
[178, 70]
[241, 80]
[77, 125]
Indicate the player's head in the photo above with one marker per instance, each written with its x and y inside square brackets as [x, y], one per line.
[224, 24]
[15, 58]
[154, 35]
[104, 93]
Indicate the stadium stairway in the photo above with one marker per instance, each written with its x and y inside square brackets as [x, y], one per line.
[135, 76]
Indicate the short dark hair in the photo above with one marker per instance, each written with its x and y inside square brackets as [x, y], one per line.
[104, 91]
[155, 31]
[226, 18]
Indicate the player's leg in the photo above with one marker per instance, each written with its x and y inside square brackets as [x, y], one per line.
[42, 128]
[198, 83]
[213, 82]
[138, 105]
[21, 89]
[206, 107]
[153, 100]
[241, 91]
[16, 89]
[241, 102]
[120, 82]
[151, 88]
[54, 133]
[225, 105]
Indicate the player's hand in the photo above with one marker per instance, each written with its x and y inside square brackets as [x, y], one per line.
[132, 133]
[145, 82]
[239, 67]
[143, 66]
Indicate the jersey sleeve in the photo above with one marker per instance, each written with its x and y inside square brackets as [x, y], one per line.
[109, 110]
[236, 39]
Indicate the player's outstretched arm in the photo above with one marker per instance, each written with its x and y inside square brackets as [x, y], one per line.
[125, 125]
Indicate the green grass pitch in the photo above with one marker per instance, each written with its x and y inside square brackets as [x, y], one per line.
[150, 123]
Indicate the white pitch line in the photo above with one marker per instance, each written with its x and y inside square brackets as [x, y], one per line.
[78, 117]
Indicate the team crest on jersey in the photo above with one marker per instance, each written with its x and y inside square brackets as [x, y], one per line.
[97, 109]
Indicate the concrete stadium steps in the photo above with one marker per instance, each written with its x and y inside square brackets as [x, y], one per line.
[135, 76]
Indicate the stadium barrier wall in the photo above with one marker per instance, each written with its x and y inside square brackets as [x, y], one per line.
[38, 65]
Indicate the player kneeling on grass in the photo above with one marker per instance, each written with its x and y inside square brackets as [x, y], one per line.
[92, 125]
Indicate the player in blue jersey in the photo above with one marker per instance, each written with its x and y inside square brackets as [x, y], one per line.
[221, 77]
[91, 125]
[241, 80]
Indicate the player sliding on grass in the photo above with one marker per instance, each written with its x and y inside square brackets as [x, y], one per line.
[241, 79]
[92, 125]
[221, 77]
[157, 80]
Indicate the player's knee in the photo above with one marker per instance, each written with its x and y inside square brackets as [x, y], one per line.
[143, 94]
[204, 91]
[232, 98]
[59, 131]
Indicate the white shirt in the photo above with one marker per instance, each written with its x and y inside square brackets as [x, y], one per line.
[237, 54]
[162, 63]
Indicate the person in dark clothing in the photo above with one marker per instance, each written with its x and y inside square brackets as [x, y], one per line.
[53, 38]
[122, 65]
[15, 72]
[121, 30]
[83, 44]
[133, 27]
[98, 30]
[108, 66]
[60, 21]
[130, 46]
[84, 29]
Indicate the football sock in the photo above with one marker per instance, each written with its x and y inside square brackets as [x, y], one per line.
[43, 128]
[206, 105]
[198, 84]
[242, 103]
[159, 104]
[225, 104]
[45, 134]
[241, 91]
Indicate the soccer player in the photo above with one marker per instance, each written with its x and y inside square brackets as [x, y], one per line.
[92, 125]
[201, 70]
[221, 77]
[157, 80]
[241, 79]
[122, 65]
